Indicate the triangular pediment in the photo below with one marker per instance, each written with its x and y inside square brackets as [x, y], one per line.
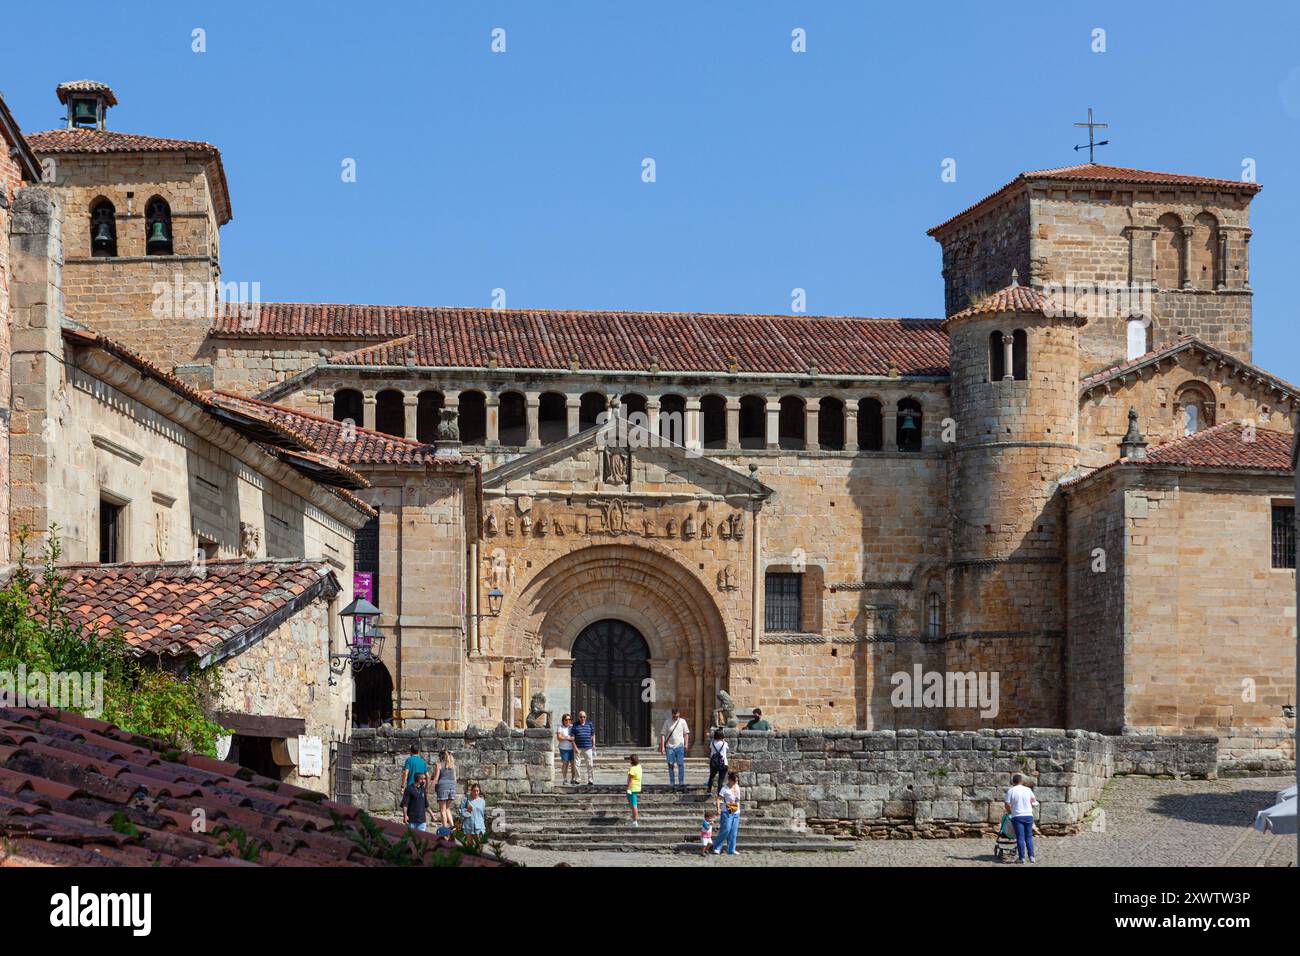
[627, 461]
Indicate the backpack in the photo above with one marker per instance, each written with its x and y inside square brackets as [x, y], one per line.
[715, 758]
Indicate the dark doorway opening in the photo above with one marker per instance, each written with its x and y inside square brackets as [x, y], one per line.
[611, 670]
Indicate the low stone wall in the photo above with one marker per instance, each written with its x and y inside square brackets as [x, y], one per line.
[504, 762]
[915, 783]
[1260, 750]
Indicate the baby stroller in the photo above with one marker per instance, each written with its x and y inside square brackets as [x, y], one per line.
[1004, 844]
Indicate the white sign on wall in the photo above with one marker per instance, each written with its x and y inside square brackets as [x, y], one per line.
[309, 756]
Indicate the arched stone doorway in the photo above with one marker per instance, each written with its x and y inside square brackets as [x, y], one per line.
[372, 696]
[611, 682]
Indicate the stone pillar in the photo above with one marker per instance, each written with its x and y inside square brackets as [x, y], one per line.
[492, 419]
[652, 413]
[411, 405]
[1185, 257]
[850, 424]
[1221, 260]
[811, 424]
[756, 577]
[889, 425]
[733, 422]
[1008, 356]
[773, 423]
[573, 408]
[694, 438]
[368, 410]
[531, 402]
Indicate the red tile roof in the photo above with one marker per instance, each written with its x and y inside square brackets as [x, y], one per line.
[1228, 446]
[1187, 343]
[1014, 298]
[355, 446]
[84, 140]
[614, 341]
[1102, 174]
[85, 86]
[173, 608]
[81, 792]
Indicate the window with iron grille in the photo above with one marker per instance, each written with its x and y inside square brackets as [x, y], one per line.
[1284, 536]
[783, 602]
[933, 615]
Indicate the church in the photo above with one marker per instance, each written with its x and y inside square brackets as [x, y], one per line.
[1076, 482]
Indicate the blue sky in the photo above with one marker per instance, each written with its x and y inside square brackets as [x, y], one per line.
[523, 170]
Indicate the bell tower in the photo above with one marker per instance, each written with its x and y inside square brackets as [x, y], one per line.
[142, 216]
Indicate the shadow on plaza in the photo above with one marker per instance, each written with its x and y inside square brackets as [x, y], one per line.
[1236, 809]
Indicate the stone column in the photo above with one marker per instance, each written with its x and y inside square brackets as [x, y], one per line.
[756, 577]
[1008, 356]
[1185, 257]
[1221, 260]
[573, 407]
[850, 424]
[889, 425]
[733, 422]
[492, 417]
[811, 419]
[368, 410]
[652, 413]
[694, 439]
[531, 402]
[411, 405]
[773, 423]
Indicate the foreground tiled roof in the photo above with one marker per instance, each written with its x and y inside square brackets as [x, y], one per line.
[85, 140]
[1013, 298]
[81, 792]
[355, 446]
[174, 609]
[1222, 447]
[1100, 173]
[614, 341]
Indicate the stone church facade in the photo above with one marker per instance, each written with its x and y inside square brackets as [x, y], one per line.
[1077, 481]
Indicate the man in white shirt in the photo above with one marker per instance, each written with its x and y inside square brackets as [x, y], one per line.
[1020, 804]
[674, 738]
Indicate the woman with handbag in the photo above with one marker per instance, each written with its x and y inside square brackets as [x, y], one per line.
[728, 801]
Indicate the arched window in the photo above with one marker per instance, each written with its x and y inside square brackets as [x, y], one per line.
[633, 408]
[390, 412]
[1169, 252]
[871, 425]
[348, 406]
[713, 415]
[792, 423]
[1020, 355]
[427, 412]
[471, 407]
[908, 426]
[512, 420]
[672, 419]
[830, 424]
[103, 229]
[997, 357]
[552, 417]
[1139, 338]
[590, 407]
[1194, 405]
[753, 421]
[934, 612]
[1205, 251]
[158, 227]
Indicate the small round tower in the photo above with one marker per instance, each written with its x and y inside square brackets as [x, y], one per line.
[1014, 359]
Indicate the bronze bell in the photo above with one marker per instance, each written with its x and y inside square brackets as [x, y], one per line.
[103, 236]
[83, 111]
[160, 237]
[908, 427]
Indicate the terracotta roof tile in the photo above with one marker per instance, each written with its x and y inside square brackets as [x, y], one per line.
[1228, 446]
[53, 809]
[1100, 173]
[1013, 298]
[85, 86]
[171, 609]
[612, 341]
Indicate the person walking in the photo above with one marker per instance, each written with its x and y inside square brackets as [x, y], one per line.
[568, 766]
[706, 833]
[757, 722]
[718, 759]
[584, 744]
[414, 764]
[674, 739]
[473, 812]
[1020, 804]
[634, 772]
[415, 803]
[445, 788]
[728, 801]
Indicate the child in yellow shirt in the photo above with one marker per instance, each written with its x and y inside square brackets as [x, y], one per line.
[633, 785]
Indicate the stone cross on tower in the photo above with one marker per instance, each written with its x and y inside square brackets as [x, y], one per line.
[1091, 128]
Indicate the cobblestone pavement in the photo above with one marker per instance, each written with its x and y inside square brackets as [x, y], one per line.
[1146, 823]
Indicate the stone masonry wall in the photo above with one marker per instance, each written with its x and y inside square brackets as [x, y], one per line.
[505, 762]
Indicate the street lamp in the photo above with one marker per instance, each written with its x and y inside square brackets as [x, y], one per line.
[364, 642]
